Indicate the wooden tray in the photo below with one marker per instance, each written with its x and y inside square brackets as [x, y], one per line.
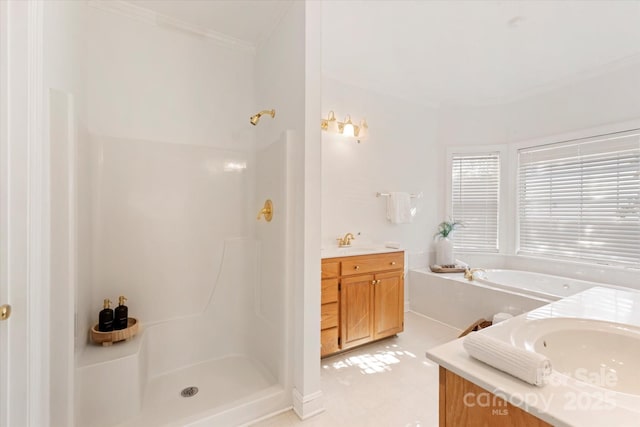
[108, 338]
[438, 269]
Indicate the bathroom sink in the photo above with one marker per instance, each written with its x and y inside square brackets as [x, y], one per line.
[597, 353]
[360, 249]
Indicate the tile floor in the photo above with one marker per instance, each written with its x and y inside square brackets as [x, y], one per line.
[389, 383]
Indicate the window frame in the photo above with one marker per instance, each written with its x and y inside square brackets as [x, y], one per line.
[515, 157]
[509, 223]
[503, 187]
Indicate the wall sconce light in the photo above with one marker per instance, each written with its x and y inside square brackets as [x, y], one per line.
[346, 128]
[329, 124]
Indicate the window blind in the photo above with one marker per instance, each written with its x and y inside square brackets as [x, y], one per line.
[475, 185]
[581, 199]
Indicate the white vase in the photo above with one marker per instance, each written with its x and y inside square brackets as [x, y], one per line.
[444, 252]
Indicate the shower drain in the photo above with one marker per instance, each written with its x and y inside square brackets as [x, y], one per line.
[189, 392]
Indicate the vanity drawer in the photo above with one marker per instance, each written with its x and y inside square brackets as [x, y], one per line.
[330, 269]
[329, 341]
[329, 291]
[329, 315]
[372, 263]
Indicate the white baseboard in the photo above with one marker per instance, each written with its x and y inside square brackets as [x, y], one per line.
[307, 406]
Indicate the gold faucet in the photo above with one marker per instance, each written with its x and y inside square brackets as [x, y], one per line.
[468, 273]
[346, 240]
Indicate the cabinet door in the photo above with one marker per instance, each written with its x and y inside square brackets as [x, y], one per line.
[388, 304]
[356, 315]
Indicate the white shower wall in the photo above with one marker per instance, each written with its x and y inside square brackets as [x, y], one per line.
[166, 112]
[155, 83]
[161, 214]
[272, 292]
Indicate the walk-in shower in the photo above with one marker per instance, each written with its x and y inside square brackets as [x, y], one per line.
[168, 219]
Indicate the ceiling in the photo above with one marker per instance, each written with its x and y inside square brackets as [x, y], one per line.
[476, 52]
[444, 52]
[246, 20]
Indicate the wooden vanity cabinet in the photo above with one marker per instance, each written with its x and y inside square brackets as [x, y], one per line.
[370, 295]
[330, 309]
[356, 326]
[462, 403]
[388, 307]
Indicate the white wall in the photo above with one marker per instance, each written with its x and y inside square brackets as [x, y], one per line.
[65, 91]
[401, 154]
[287, 79]
[154, 83]
[599, 100]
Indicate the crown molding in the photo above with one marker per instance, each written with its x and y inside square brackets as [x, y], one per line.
[141, 14]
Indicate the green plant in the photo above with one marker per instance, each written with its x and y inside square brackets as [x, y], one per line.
[447, 227]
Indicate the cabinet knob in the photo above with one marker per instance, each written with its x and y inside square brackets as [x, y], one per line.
[393, 263]
[357, 267]
[373, 282]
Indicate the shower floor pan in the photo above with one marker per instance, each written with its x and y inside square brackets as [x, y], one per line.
[227, 389]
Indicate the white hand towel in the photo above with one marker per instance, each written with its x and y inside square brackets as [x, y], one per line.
[399, 208]
[528, 366]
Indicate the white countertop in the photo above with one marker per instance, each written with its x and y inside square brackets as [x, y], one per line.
[335, 252]
[564, 401]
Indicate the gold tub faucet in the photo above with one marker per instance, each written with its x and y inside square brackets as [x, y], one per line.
[468, 273]
[346, 240]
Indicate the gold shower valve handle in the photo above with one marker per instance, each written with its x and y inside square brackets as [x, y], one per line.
[5, 311]
[266, 211]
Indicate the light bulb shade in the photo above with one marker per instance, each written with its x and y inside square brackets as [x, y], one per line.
[332, 123]
[363, 133]
[348, 129]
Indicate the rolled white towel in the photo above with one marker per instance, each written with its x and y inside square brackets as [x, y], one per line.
[528, 366]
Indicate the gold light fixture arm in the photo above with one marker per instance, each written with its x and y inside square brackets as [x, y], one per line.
[266, 211]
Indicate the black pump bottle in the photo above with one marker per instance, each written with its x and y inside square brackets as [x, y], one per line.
[121, 314]
[105, 319]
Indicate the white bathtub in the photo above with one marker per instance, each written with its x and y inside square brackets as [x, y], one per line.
[456, 301]
[534, 284]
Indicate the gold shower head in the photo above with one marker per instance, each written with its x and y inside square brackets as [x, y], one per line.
[256, 117]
